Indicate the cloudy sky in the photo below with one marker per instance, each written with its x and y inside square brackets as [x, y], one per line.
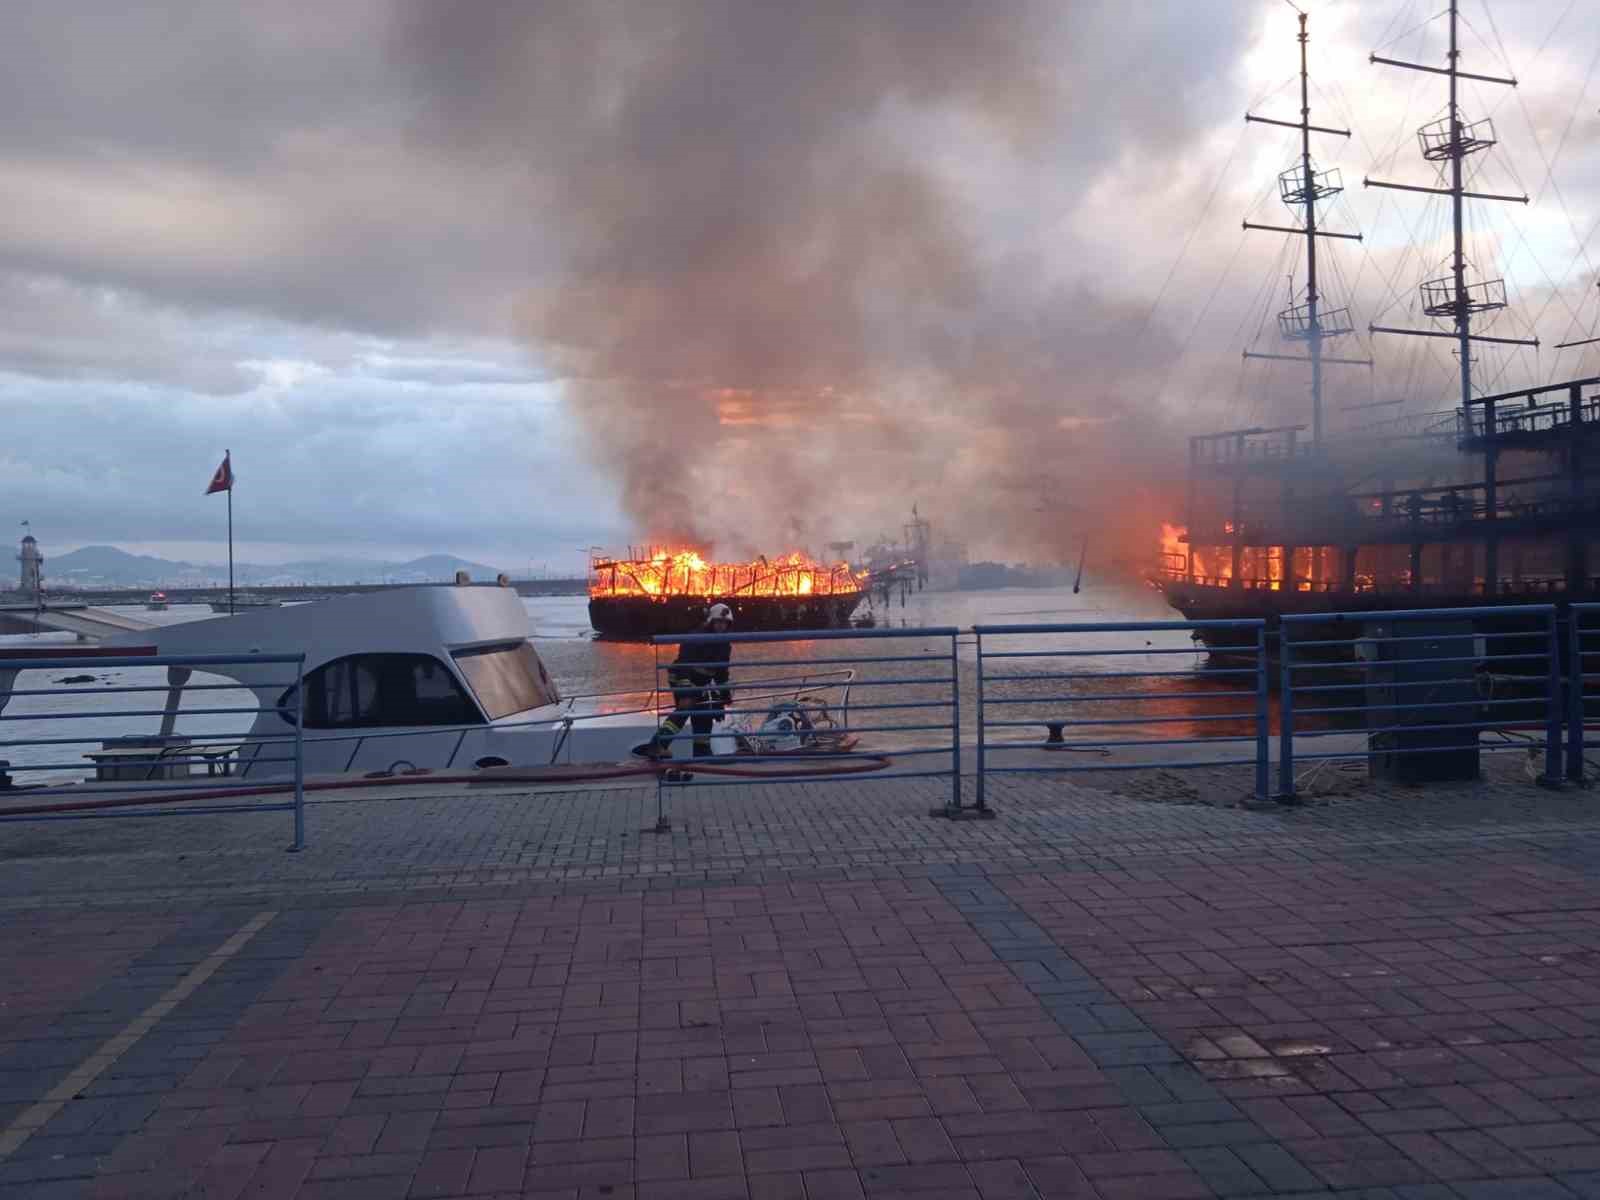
[517, 277]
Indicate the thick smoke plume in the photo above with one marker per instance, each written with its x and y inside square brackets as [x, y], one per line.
[807, 264]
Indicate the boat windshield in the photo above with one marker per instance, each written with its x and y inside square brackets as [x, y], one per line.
[508, 678]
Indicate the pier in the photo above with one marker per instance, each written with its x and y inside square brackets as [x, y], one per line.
[809, 990]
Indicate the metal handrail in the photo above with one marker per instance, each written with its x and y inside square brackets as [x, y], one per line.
[1064, 717]
[184, 752]
[1383, 714]
[946, 681]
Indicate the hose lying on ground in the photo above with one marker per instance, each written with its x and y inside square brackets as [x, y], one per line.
[492, 775]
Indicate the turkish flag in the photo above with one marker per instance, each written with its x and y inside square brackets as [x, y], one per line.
[222, 481]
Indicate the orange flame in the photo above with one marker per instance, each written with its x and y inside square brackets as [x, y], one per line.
[685, 573]
[1259, 566]
[1173, 550]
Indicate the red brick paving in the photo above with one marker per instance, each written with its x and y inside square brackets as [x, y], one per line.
[1336, 1027]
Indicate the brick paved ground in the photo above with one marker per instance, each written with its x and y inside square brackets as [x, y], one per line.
[809, 991]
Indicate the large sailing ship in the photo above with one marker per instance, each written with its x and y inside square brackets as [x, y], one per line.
[1486, 503]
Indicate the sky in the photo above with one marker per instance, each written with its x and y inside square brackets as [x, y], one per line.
[516, 278]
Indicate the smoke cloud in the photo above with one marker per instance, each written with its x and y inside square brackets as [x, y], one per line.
[809, 264]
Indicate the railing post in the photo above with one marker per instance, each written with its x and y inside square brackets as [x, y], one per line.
[1263, 718]
[1286, 793]
[1553, 709]
[982, 760]
[952, 808]
[299, 756]
[662, 824]
[1574, 694]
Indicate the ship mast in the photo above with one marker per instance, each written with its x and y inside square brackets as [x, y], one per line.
[1453, 139]
[1304, 185]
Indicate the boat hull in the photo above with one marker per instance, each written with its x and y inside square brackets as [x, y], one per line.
[1198, 602]
[638, 618]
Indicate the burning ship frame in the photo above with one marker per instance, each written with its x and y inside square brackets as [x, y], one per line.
[657, 591]
[1490, 503]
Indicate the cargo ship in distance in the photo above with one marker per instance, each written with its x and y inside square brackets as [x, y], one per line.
[1488, 502]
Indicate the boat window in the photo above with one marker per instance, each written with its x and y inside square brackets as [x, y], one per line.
[367, 691]
[508, 678]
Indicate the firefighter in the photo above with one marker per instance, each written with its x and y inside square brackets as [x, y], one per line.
[698, 667]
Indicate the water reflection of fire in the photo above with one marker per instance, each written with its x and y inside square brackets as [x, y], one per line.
[661, 572]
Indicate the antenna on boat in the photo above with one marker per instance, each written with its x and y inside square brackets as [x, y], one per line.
[1304, 185]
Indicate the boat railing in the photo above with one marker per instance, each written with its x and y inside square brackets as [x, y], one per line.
[1529, 411]
[1437, 509]
[145, 759]
[1254, 585]
[1400, 586]
[647, 699]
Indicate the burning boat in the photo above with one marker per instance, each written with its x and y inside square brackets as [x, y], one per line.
[1488, 503]
[667, 591]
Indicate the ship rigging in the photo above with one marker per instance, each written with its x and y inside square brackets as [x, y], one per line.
[1488, 502]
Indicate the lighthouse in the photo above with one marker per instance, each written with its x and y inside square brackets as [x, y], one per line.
[32, 583]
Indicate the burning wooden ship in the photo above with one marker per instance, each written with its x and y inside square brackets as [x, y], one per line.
[668, 591]
[1487, 503]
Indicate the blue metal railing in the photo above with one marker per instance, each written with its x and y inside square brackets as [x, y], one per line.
[1414, 692]
[138, 771]
[1417, 693]
[1144, 709]
[1582, 657]
[812, 734]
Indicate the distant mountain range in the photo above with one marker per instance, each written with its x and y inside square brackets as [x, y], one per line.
[106, 566]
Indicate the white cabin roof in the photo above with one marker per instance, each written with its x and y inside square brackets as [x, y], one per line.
[414, 620]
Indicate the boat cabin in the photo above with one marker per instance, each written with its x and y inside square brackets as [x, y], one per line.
[437, 677]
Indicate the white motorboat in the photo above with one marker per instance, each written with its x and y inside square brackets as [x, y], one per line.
[443, 678]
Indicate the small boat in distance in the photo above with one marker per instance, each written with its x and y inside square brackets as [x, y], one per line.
[157, 602]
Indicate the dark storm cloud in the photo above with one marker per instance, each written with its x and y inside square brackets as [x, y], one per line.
[251, 158]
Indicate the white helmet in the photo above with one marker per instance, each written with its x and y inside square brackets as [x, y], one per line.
[719, 612]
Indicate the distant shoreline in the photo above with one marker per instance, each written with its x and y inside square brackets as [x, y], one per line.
[56, 597]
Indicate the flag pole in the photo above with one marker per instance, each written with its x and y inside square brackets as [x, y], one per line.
[228, 458]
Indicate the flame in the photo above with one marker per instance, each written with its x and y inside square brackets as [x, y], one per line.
[666, 572]
[1172, 543]
[1259, 566]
